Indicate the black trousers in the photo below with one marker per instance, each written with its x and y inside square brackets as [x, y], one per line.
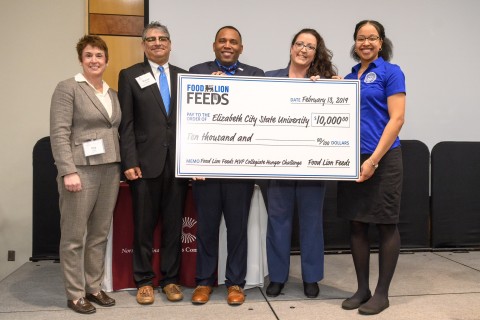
[153, 199]
[232, 198]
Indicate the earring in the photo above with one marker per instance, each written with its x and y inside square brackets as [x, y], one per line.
[380, 49]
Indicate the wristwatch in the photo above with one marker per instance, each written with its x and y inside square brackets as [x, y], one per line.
[374, 165]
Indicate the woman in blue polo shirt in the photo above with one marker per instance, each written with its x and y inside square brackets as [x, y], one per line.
[375, 196]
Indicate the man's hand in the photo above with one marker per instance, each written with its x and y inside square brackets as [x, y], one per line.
[133, 173]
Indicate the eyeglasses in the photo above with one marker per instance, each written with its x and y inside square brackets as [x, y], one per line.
[361, 39]
[162, 39]
[300, 45]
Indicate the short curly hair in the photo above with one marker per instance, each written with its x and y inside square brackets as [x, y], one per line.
[94, 41]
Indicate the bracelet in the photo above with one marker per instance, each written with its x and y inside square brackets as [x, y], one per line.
[375, 166]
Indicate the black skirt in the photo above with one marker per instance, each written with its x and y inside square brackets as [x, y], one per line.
[376, 200]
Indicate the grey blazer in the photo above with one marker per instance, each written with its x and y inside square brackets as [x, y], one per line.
[77, 116]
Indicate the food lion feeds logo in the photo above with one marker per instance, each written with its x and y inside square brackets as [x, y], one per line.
[188, 223]
[207, 94]
[370, 77]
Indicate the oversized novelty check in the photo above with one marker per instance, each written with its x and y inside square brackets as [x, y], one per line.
[275, 128]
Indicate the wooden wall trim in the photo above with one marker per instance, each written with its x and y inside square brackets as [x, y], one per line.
[122, 7]
[120, 25]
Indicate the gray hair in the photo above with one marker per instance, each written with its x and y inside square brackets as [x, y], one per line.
[155, 25]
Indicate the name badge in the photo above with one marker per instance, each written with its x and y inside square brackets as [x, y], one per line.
[145, 80]
[93, 147]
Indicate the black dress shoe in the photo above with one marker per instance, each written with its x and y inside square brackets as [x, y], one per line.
[311, 289]
[370, 309]
[82, 306]
[353, 303]
[274, 289]
[101, 299]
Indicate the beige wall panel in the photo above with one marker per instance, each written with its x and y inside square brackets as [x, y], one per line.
[116, 25]
[123, 52]
[127, 7]
[36, 55]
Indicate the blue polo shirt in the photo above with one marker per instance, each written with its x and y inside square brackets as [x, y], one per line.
[381, 80]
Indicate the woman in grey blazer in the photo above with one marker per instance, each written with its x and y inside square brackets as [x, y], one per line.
[84, 119]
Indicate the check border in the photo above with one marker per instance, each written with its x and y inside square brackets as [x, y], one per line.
[238, 92]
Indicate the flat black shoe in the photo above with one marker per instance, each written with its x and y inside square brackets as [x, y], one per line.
[353, 303]
[274, 289]
[367, 309]
[311, 289]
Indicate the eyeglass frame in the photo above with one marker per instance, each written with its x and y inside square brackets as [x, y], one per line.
[162, 39]
[369, 38]
[300, 45]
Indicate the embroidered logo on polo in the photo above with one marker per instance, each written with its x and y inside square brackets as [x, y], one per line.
[370, 77]
[188, 223]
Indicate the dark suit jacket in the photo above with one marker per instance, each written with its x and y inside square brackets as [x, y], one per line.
[243, 69]
[147, 133]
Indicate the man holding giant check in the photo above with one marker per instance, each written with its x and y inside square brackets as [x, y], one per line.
[276, 128]
[216, 197]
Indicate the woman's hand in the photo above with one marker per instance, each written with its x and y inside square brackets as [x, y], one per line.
[366, 171]
[315, 78]
[72, 182]
[198, 178]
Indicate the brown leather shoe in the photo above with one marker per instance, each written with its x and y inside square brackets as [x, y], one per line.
[145, 295]
[82, 306]
[201, 294]
[235, 295]
[101, 299]
[173, 292]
